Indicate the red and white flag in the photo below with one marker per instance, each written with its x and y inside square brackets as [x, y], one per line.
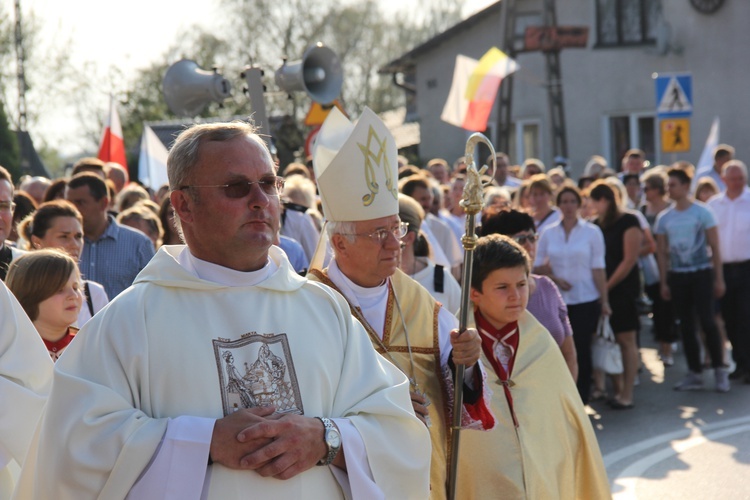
[112, 147]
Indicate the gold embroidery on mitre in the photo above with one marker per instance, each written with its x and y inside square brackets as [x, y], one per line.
[372, 160]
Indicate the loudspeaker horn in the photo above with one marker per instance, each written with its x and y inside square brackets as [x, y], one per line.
[318, 73]
[188, 89]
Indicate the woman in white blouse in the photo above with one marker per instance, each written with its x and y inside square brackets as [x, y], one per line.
[571, 253]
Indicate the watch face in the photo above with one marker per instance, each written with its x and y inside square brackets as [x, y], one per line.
[333, 438]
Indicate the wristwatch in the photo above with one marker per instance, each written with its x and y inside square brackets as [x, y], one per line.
[332, 438]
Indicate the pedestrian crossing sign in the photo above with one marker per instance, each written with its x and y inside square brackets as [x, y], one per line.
[675, 135]
[674, 95]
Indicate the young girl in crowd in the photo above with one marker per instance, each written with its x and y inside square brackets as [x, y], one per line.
[48, 286]
[58, 224]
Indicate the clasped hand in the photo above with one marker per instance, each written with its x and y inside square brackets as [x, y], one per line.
[272, 444]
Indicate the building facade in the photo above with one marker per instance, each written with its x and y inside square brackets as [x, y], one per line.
[608, 88]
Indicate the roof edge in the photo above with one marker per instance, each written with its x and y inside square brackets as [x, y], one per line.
[406, 60]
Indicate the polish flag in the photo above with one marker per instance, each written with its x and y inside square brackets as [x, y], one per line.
[112, 147]
[474, 88]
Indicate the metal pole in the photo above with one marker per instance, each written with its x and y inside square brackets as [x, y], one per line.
[471, 202]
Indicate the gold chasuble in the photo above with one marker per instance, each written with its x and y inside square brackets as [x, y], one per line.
[421, 318]
[553, 453]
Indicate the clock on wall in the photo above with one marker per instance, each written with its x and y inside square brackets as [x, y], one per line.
[706, 6]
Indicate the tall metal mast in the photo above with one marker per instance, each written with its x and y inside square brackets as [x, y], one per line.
[554, 82]
[20, 57]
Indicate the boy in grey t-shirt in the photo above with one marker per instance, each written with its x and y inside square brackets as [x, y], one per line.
[684, 233]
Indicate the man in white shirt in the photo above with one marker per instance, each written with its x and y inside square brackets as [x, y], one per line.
[502, 176]
[732, 210]
[440, 235]
[222, 373]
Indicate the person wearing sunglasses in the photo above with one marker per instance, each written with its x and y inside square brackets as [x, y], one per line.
[221, 370]
[404, 322]
[8, 253]
[545, 302]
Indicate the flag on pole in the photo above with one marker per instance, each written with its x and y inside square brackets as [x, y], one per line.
[706, 161]
[112, 147]
[152, 163]
[474, 88]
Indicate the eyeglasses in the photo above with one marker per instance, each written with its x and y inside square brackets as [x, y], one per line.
[381, 235]
[7, 206]
[272, 186]
[521, 239]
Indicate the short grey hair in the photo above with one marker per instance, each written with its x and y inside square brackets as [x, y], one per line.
[494, 192]
[344, 228]
[735, 163]
[184, 154]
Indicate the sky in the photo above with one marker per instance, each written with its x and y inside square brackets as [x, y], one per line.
[134, 36]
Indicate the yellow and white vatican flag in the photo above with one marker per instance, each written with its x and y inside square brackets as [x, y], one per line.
[474, 88]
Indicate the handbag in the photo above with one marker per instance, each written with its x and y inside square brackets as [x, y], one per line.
[605, 351]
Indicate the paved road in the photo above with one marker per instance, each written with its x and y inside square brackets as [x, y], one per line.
[676, 445]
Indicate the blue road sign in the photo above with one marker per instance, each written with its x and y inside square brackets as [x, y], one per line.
[674, 95]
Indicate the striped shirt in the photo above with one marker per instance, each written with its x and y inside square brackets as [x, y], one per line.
[116, 258]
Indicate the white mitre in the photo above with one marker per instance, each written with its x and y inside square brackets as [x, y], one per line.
[356, 168]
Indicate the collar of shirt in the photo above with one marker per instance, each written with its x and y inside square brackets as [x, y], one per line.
[223, 275]
[63, 342]
[491, 336]
[372, 302]
[723, 198]
[358, 296]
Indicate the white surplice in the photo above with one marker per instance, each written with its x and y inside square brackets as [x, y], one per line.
[175, 351]
[25, 379]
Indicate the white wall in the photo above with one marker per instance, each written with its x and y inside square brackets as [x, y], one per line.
[598, 82]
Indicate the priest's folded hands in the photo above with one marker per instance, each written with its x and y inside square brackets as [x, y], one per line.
[467, 346]
[272, 444]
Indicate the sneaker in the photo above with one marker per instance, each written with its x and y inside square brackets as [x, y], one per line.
[722, 380]
[667, 359]
[692, 382]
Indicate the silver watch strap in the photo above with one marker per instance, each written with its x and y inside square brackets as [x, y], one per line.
[332, 452]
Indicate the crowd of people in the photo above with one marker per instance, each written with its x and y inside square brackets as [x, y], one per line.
[249, 321]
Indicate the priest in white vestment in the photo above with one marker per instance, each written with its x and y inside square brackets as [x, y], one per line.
[221, 373]
[25, 379]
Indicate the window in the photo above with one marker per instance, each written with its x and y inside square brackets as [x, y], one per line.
[637, 130]
[626, 22]
[525, 141]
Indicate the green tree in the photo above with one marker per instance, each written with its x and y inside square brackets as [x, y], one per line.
[266, 31]
[9, 155]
